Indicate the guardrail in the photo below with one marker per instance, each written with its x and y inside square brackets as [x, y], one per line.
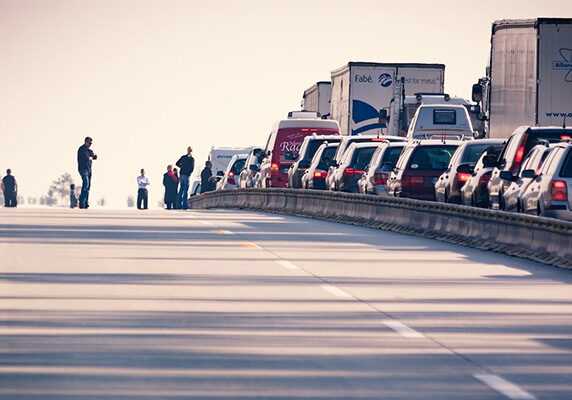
[545, 240]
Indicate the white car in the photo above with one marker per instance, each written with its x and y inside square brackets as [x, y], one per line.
[230, 175]
[549, 194]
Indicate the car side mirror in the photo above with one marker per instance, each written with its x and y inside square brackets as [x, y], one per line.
[477, 93]
[332, 163]
[475, 109]
[507, 176]
[254, 167]
[465, 169]
[528, 173]
[219, 173]
[489, 161]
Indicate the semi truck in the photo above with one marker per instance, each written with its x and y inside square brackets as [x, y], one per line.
[529, 75]
[317, 98]
[360, 90]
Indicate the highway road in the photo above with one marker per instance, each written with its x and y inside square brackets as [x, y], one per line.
[216, 304]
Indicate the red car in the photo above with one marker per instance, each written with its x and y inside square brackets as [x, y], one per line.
[418, 168]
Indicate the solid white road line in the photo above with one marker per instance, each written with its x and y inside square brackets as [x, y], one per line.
[208, 223]
[336, 291]
[286, 264]
[503, 386]
[402, 329]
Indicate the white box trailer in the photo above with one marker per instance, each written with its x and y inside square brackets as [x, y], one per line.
[529, 77]
[220, 156]
[317, 98]
[361, 89]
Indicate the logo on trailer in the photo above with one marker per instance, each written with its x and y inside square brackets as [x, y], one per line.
[385, 80]
[564, 64]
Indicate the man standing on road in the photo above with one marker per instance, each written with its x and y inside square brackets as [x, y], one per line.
[186, 163]
[10, 189]
[84, 158]
[207, 179]
[142, 196]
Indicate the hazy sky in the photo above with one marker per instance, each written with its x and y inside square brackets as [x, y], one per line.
[145, 79]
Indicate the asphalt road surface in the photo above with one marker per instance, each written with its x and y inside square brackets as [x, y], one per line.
[214, 304]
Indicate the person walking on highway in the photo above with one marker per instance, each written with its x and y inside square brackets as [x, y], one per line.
[142, 194]
[171, 182]
[187, 165]
[84, 158]
[208, 181]
[10, 189]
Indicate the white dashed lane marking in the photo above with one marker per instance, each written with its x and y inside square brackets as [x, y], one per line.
[337, 292]
[503, 386]
[287, 264]
[403, 329]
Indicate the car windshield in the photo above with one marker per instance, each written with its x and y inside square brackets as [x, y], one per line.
[473, 152]
[431, 157]
[566, 171]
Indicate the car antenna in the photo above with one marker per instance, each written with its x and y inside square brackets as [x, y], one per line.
[564, 124]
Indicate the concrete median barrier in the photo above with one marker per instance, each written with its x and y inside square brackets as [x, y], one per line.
[541, 239]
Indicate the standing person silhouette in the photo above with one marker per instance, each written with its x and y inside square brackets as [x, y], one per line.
[187, 164]
[84, 158]
[142, 195]
[10, 189]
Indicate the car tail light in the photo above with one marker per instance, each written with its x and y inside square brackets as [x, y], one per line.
[349, 171]
[359, 172]
[417, 181]
[484, 179]
[274, 168]
[463, 176]
[558, 190]
[379, 179]
[519, 154]
[565, 137]
[230, 179]
[319, 174]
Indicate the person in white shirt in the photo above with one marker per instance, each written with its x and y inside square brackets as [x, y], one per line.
[142, 183]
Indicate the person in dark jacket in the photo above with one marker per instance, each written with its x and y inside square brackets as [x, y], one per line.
[84, 158]
[208, 181]
[187, 164]
[10, 189]
[171, 182]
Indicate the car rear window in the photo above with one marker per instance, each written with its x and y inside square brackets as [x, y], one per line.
[566, 171]
[362, 157]
[431, 157]
[473, 152]
[534, 137]
[327, 155]
[444, 117]
[238, 165]
[391, 154]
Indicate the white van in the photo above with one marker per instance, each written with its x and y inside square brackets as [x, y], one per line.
[441, 121]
